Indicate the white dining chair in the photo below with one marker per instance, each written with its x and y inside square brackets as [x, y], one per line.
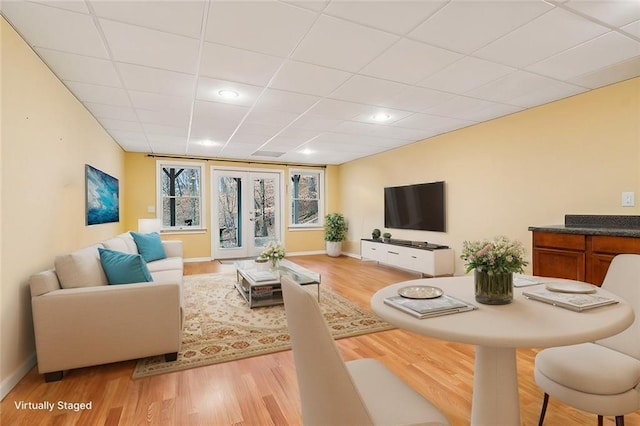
[334, 392]
[602, 377]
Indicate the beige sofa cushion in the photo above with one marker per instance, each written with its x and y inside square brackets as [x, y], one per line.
[123, 243]
[82, 268]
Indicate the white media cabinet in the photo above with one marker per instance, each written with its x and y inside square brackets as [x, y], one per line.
[426, 259]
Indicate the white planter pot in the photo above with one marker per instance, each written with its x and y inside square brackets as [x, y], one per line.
[334, 248]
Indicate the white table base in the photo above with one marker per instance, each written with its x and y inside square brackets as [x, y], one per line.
[495, 388]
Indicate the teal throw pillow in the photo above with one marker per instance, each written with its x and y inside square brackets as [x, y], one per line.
[149, 246]
[124, 268]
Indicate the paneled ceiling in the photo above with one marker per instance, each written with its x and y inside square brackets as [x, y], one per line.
[321, 82]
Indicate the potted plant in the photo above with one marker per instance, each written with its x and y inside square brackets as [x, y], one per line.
[335, 232]
[375, 234]
[386, 237]
[494, 262]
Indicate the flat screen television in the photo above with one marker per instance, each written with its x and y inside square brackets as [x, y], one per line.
[420, 207]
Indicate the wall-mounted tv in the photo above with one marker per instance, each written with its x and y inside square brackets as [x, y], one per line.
[420, 207]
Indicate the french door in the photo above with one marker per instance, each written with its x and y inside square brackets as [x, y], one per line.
[246, 211]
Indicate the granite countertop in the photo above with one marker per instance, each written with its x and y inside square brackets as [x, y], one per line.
[617, 226]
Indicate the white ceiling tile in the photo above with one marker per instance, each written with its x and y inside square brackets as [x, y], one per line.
[133, 146]
[316, 5]
[601, 52]
[110, 111]
[204, 150]
[281, 100]
[128, 136]
[172, 117]
[316, 122]
[269, 116]
[156, 101]
[167, 139]
[239, 65]
[367, 90]
[512, 86]
[111, 124]
[549, 93]
[53, 28]
[74, 6]
[142, 46]
[178, 17]
[312, 79]
[612, 12]
[99, 94]
[633, 28]
[609, 75]
[406, 14]
[343, 45]
[410, 61]
[466, 74]
[158, 129]
[262, 26]
[546, 35]
[209, 90]
[254, 134]
[465, 26]
[158, 81]
[433, 123]
[461, 108]
[340, 110]
[219, 111]
[412, 98]
[84, 69]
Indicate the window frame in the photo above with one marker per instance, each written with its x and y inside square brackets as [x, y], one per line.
[160, 165]
[321, 196]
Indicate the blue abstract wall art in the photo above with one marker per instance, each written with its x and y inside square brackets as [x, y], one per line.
[103, 201]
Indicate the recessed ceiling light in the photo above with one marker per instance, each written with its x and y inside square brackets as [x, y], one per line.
[307, 151]
[228, 94]
[208, 142]
[381, 116]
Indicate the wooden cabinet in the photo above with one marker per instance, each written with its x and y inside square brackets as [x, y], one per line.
[578, 256]
[429, 262]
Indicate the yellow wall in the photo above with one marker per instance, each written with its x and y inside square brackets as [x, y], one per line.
[141, 193]
[47, 138]
[574, 156]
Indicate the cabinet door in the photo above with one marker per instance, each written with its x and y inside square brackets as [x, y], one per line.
[559, 263]
[373, 251]
[400, 257]
[598, 267]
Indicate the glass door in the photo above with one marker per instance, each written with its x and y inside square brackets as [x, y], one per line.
[246, 212]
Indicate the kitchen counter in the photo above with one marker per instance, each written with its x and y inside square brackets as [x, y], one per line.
[616, 226]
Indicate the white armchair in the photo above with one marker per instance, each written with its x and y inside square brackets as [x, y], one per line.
[602, 377]
[332, 392]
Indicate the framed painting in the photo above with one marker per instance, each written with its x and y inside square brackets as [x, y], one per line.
[103, 197]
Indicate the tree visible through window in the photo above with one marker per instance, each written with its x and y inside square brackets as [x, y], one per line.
[181, 192]
[306, 197]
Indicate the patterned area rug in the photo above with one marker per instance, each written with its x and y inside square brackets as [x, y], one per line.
[220, 327]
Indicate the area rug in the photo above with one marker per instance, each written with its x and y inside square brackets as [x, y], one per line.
[220, 327]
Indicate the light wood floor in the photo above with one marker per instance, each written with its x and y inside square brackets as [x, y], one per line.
[263, 390]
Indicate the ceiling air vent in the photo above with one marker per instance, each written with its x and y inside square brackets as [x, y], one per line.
[273, 154]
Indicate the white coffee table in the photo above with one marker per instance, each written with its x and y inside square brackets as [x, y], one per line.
[260, 286]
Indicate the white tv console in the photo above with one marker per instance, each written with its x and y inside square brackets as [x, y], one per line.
[428, 259]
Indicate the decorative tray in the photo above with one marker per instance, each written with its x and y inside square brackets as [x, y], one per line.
[420, 292]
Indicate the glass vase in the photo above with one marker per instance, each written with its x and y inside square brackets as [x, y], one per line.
[493, 288]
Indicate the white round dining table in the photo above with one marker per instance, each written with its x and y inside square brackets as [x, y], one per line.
[497, 331]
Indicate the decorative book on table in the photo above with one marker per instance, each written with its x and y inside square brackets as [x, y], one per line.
[575, 301]
[426, 308]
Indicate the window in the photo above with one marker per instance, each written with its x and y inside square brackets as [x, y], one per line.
[180, 195]
[307, 191]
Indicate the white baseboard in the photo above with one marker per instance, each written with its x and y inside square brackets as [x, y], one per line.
[197, 259]
[15, 377]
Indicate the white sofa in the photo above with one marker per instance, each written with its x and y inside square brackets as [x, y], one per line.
[80, 320]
